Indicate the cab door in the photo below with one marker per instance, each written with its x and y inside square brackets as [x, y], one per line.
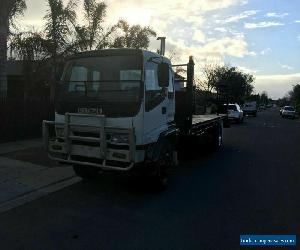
[156, 105]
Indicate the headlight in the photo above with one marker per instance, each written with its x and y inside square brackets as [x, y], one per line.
[119, 139]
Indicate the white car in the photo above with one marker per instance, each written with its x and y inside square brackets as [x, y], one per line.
[235, 112]
[288, 111]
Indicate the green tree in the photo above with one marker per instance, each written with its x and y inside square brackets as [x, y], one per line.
[9, 10]
[295, 96]
[237, 83]
[264, 98]
[132, 36]
[283, 101]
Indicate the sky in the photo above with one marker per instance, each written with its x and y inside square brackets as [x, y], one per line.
[259, 37]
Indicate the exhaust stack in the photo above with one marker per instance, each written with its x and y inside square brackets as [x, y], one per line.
[162, 45]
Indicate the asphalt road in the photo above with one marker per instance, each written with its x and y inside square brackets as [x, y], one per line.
[251, 186]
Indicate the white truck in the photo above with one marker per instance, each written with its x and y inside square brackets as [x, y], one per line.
[123, 110]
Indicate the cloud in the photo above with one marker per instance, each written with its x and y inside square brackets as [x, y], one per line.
[214, 49]
[262, 25]
[284, 66]
[298, 38]
[170, 9]
[297, 21]
[228, 30]
[221, 29]
[277, 15]
[199, 36]
[266, 51]
[280, 77]
[236, 18]
[226, 46]
[197, 21]
[276, 85]
[248, 71]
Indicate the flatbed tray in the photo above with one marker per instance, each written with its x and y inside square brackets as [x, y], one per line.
[197, 119]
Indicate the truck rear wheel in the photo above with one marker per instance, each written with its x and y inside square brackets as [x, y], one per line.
[86, 172]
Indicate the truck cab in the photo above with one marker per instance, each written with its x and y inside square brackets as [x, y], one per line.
[111, 107]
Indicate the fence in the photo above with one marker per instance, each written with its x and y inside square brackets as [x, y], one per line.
[21, 114]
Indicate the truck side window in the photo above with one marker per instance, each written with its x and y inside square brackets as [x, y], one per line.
[153, 95]
[79, 75]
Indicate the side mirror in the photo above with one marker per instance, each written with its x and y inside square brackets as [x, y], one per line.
[163, 74]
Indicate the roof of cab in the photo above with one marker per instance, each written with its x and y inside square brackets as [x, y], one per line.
[113, 52]
[117, 52]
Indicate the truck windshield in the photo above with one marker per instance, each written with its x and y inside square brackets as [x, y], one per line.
[107, 79]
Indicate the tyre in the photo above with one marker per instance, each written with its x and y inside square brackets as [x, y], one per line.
[240, 120]
[217, 138]
[86, 172]
[163, 166]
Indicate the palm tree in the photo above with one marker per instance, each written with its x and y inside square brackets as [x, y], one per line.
[9, 10]
[58, 21]
[133, 36]
[89, 35]
[29, 46]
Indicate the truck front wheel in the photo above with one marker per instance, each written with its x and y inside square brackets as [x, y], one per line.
[86, 172]
[163, 166]
[217, 137]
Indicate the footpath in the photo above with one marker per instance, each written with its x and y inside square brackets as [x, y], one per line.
[27, 174]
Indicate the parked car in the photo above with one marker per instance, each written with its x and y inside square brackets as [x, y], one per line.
[262, 107]
[235, 113]
[250, 108]
[289, 112]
